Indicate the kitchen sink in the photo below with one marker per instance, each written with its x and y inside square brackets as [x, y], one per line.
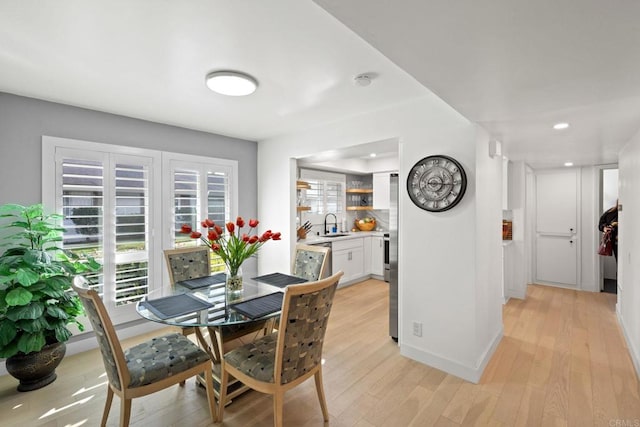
[335, 235]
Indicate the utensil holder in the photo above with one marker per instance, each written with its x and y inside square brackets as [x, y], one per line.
[302, 234]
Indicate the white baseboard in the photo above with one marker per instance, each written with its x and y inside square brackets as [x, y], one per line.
[633, 351]
[468, 373]
[87, 341]
[342, 284]
[516, 293]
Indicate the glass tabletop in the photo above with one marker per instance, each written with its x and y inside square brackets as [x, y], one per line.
[204, 306]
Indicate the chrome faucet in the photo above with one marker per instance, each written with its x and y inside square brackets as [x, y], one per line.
[335, 222]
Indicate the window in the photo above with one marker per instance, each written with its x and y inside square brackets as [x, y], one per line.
[200, 189]
[82, 209]
[113, 200]
[327, 192]
[131, 231]
[105, 202]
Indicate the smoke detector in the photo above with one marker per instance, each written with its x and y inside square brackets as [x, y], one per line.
[362, 80]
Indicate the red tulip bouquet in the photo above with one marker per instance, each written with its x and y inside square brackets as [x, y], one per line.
[233, 247]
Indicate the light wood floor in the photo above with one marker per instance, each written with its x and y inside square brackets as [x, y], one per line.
[562, 361]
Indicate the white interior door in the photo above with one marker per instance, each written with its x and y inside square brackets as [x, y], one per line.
[556, 260]
[556, 227]
[557, 202]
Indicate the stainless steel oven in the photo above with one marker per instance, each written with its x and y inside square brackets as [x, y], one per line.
[387, 264]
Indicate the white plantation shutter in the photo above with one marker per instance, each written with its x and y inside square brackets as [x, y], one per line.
[83, 210]
[186, 195]
[199, 190]
[116, 201]
[327, 192]
[131, 232]
[218, 208]
[105, 202]
[334, 194]
[314, 197]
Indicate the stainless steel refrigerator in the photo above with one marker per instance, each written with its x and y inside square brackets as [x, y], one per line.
[393, 258]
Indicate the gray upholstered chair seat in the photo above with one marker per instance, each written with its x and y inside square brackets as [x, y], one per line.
[161, 357]
[256, 359]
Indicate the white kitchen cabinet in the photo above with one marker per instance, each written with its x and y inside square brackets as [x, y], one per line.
[377, 256]
[381, 190]
[366, 244]
[348, 257]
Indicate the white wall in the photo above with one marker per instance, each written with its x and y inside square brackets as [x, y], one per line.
[438, 278]
[488, 296]
[609, 198]
[515, 253]
[364, 166]
[629, 247]
[609, 188]
[589, 261]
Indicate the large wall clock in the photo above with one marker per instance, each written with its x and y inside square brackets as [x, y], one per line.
[436, 183]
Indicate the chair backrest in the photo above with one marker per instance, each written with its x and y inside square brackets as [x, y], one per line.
[112, 354]
[188, 263]
[309, 261]
[303, 323]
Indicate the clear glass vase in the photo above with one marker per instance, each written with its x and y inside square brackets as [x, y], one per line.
[234, 282]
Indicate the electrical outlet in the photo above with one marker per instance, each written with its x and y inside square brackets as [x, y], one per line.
[417, 329]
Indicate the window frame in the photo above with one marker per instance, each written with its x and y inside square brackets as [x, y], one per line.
[173, 161]
[160, 235]
[327, 177]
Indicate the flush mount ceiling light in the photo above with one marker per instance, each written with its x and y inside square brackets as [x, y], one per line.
[567, 164]
[231, 83]
[372, 155]
[560, 126]
[362, 80]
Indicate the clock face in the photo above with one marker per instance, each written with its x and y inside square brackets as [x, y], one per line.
[436, 183]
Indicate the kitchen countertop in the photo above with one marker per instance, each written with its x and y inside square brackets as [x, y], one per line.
[313, 240]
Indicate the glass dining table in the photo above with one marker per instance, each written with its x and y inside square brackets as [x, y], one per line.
[219, 318]
[205, 305]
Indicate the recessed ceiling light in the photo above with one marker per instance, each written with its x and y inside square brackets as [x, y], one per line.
[560, 126]
[567, 164]
[231, 83]
[372, 155]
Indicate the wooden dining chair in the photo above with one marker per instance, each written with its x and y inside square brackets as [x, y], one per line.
[192, 263]
[309, 261]
[146, 367]
[188, 263]
[282, 360]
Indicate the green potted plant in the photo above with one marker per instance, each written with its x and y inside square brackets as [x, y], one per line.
[36, 300]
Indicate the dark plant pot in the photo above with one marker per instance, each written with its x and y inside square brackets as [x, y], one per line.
[38, 369]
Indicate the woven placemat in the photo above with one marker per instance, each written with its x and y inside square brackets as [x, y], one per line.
[261, 306]
[201, 282]
[175, 305]
[279, 279]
